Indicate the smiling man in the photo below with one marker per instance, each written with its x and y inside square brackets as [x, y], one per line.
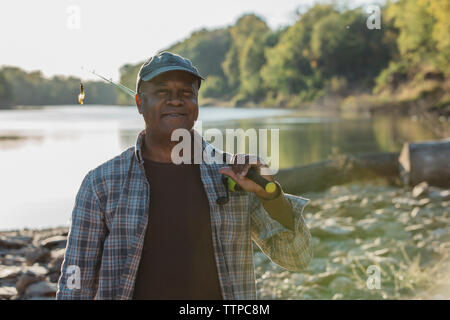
[144, 227]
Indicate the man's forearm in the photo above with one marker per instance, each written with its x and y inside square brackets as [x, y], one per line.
[280, 209]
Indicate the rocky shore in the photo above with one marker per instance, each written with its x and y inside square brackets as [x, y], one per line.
[30, 263]
[403, 233]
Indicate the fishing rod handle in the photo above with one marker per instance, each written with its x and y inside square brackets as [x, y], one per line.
[253, 175]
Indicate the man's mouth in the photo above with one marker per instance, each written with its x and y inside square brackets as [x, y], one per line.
[173, 115]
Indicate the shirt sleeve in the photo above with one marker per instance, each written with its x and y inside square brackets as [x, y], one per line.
[285, 247]
[79, 270]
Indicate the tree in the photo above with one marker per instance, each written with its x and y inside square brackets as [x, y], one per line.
[6, 97]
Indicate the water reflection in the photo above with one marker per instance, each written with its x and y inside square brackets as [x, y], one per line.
[45, 153]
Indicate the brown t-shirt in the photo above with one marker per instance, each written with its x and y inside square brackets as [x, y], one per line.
[177, 260]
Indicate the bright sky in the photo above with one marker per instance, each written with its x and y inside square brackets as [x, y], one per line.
[44, 35]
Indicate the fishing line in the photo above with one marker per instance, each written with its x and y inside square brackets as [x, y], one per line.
[125, 89]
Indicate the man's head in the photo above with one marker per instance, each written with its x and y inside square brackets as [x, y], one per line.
[167, 87]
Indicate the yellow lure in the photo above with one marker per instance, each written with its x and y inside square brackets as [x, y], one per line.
[81, 95]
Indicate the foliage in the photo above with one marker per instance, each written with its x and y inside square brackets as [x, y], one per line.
[18, 87]
[328, 50]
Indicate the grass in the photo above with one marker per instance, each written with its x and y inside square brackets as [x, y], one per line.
[406, 280]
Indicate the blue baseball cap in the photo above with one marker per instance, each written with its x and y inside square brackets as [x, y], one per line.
[163, 62]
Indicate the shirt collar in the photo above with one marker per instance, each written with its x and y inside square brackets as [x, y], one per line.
[138, 147]
[197, 140]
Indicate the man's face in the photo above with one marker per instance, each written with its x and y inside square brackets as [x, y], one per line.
[170, 102]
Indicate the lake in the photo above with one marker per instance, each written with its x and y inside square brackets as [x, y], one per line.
[45, 152]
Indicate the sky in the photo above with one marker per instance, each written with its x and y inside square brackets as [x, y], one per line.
[60, 37]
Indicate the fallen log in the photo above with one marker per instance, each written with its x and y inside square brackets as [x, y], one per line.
[345, 168]
[426, 161]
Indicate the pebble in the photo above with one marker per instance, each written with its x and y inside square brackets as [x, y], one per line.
[39, 254]
[11, 243]
[7, 292]
[54, 242]
[27, 279]
[420, 189]
[41, 289]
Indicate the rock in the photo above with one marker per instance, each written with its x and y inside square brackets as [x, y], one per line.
[12, 259]
[364, 202]
[338, 296]
[381, 252]
[42, 289]
[7, 292]
[54, 277]
[58, 258]
[37, 255]
[8, 272]
[27, 279]
[36, 270]
[11, 243]
[437, 194]
[415, 227]
[414, 212]
[54, 242]
[423, 202]
[341, 285]
[420, 189]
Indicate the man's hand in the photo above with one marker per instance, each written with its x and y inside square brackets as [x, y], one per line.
[238, 169]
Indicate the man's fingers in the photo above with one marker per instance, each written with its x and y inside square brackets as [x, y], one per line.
[228, 172]
[245, 170]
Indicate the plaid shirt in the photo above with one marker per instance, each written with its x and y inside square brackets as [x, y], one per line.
[110, 217]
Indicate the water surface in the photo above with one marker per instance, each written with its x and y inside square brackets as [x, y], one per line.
[45, 152]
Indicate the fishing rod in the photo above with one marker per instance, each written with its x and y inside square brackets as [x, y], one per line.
[252, 174]
[126, 90]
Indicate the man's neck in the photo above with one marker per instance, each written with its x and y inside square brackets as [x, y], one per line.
[159, 149]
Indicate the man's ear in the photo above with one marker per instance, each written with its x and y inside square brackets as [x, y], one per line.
[138, 102]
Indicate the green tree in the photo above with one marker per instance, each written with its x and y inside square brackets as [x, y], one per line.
[6, 97]
[248, 30]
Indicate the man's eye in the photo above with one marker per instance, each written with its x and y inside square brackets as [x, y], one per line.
[188, 92]
[161, 92]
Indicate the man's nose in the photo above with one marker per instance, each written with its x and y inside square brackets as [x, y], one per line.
[175, 99]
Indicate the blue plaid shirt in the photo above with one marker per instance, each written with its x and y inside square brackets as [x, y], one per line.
[110, 217]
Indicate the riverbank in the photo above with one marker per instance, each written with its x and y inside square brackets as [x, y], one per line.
[402, 231]
[426, 99]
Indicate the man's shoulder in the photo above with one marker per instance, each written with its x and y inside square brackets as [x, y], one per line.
[112, 169]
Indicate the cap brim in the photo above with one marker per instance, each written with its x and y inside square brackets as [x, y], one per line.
[156, 73]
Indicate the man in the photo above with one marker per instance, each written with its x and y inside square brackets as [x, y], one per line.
[144, 227]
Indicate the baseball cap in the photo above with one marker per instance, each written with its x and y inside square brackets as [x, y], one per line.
[163, 62]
